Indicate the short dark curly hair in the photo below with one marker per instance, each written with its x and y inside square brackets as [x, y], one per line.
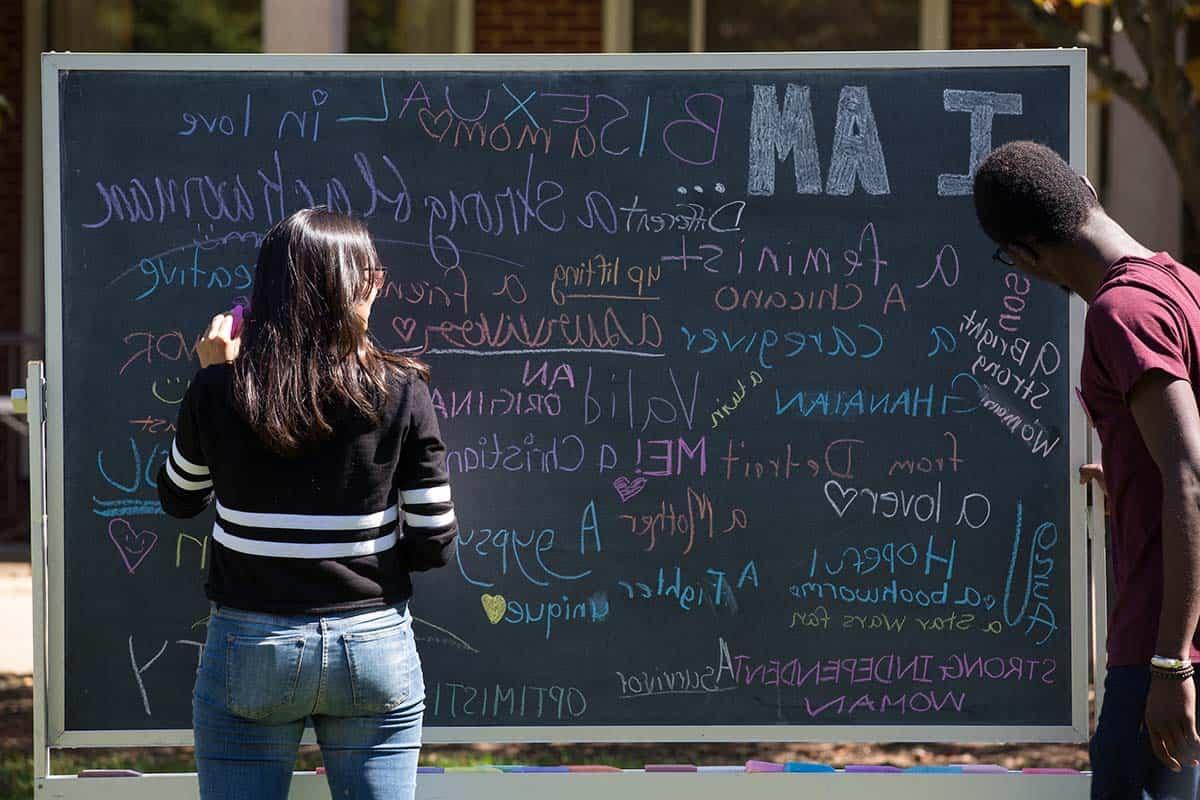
[1024, 191]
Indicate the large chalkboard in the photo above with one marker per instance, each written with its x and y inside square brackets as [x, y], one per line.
[745, 426]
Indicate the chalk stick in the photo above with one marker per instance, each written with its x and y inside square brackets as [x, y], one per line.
[670, 768]
[872, 768]
[109, 773]
[592, 768]
[722, 768]
[537, 770]
[936, 769]
[238, 313]
[807, 766]
[763, 766]
[1049, 771]
[319, 771]
[983, 769]
[430, 770]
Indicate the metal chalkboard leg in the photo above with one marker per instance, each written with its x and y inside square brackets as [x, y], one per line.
[35, 385]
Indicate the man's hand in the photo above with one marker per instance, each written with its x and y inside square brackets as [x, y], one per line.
[1171, 722]
[1095, 472]
[218, 345]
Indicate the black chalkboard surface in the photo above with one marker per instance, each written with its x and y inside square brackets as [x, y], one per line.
[745, 426]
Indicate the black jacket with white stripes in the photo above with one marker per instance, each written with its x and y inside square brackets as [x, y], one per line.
[338, 527]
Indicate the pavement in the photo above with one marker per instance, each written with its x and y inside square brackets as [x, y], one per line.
[16, 611]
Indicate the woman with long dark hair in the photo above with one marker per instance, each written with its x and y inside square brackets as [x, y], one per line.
[323, 454]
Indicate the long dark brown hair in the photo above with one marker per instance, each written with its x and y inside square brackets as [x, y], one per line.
[306, 352]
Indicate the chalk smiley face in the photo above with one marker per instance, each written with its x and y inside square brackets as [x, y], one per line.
[132, 545]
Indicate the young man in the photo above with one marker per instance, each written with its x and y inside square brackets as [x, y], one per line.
[1141, 362]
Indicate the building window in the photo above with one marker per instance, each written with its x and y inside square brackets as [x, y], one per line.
[156, 26]
[661, 26]
[748, 25]
[764, 25]
[401, 26]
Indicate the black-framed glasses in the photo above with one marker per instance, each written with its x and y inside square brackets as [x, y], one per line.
[1004, 257]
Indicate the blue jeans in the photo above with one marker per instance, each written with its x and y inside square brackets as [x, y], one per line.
[1123, 765]
[357, 676]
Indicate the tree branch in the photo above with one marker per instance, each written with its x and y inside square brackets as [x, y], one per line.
[1056, 31]
[1136, 23]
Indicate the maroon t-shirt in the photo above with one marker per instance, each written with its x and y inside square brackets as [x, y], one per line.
[1144, 317]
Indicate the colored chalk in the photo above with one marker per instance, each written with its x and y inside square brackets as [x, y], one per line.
[936, 769]
[1049, 771]
[430, 770]
[536, 770]
[592, 768]
[238, 313]
[763, 766]
[670, 768]
[320, 771]
[983, 769]
[722, 768]
[872, 768]
[109, 773]
[807, 766]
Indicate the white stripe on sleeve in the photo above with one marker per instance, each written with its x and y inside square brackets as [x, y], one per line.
[423, 521]
[434, 494]
[184, 483]
[195, 469]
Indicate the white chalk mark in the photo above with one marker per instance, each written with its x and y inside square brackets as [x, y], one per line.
[857, 150]
[456, 352]
[983, 107]
[137, 671]
[456, 638]
[777, 133]
[199, 648]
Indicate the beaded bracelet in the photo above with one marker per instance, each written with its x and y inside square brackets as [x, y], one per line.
[1174, 674]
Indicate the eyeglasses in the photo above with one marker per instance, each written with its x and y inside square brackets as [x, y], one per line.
[1004, 257]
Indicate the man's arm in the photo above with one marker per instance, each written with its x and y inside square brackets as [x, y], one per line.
[1165, 410]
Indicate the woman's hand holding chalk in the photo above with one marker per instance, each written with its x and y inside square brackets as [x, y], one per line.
[238, 314]
[220, 343]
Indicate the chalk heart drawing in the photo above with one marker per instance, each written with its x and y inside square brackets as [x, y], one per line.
[628, 489]
[494, 606]
[133, 546]
[838, 497]
[404, 327]
[426, 117]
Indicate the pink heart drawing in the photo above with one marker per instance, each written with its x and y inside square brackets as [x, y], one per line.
[404, 327]
[628, 489]
[429, 121]
[133, 546]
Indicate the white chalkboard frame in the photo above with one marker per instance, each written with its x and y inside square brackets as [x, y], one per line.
[53, 598]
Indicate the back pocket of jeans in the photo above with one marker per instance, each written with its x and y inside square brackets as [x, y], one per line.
[261, 673]
[381, 665]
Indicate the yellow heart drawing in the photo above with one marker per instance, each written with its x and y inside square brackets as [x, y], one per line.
[494, 606]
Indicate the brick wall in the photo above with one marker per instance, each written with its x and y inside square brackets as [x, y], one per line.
[988, 24]
[539, 26]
